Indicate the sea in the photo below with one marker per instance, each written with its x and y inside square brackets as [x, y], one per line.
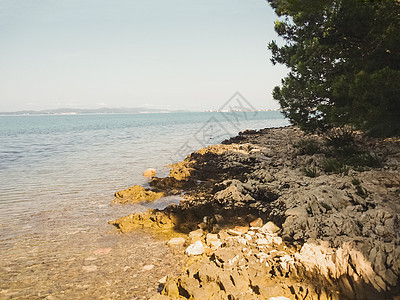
[58, 175]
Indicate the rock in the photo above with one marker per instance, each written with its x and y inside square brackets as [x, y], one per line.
[278, 298]
[149, 173]
[136, 194]
[102, 251]
[211, 238]
[264, 241]
[277, 240]
[148, 267]
[270, 227]
[257, 223]
[171, 288]
[235, 193]
[238, 230]
[163, 280]
[89, 268]
[355, 213]
[152, 219]
[196, 235]
[195, 249]
[213, 241]
[176, 241]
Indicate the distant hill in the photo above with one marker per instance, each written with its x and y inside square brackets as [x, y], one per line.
[76, 111]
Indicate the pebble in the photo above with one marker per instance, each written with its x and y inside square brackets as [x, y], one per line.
[102, 251]
[89, 268]
[90, 258]
[148, 267]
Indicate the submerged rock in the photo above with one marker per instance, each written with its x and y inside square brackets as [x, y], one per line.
[152, 219]
[136, 194]
[176, 241]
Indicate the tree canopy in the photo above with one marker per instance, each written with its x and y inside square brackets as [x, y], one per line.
[344, 62]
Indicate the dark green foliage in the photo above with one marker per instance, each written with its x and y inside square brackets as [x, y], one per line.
[364, 161]
[341, 143]
[360, 191]
[310, 171]
[340, 138]
[344, 61]
[334, 165]
[308, 146]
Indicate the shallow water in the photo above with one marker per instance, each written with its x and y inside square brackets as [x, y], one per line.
[57, 178]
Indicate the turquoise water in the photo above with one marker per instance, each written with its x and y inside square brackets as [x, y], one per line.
[58, 174]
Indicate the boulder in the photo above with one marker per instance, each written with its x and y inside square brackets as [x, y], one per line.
[136, 194]
[149, 173]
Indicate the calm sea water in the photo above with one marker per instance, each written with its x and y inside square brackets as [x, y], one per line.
[58, 174]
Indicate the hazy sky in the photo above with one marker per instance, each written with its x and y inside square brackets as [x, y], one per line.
[175, 54]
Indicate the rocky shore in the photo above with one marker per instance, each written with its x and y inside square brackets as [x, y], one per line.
[275, 214]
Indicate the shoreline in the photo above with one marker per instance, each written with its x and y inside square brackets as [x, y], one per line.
[336, 236]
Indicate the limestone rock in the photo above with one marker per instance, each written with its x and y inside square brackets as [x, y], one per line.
[270, 227]
[136, 194]
[149, 172]
[195, 249]
[238, 230]
[257, 223]
[196, 235]
[153, 219]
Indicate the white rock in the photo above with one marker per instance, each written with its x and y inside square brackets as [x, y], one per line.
[278, 298]
[163, 280]
[195, 249]
[242, 240]
[263, 241]
[214, 245]
[277, 240]
[248, 237]
[148, 267]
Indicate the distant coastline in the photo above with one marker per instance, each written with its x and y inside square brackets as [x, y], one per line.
[77, 111]
[97, 111]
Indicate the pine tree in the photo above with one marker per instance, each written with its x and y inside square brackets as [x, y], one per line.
[344, 61]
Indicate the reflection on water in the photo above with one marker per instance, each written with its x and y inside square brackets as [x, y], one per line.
[57, 179]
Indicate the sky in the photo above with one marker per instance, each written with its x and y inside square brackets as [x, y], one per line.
[175, 54]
